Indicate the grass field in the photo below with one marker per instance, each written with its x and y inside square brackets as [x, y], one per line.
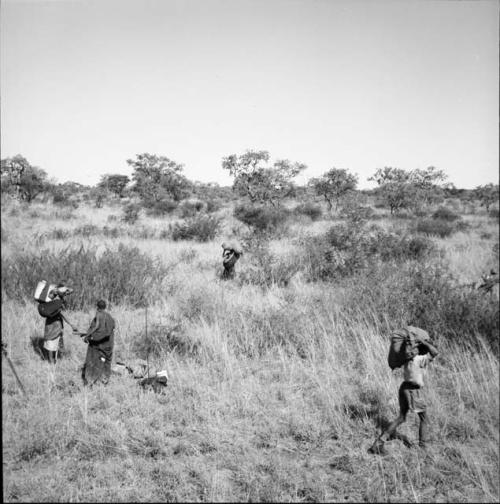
[275, 392]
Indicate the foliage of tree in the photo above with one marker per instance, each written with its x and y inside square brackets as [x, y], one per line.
[98, 194]
[408, 189]
[486, 194]
[259, 182]
[22, 179]
[334, 184]
[158, 178]
[114, 183]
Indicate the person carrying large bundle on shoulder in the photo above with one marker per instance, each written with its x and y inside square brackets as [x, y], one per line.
[51, 303]
[231, 252]
[411, 348]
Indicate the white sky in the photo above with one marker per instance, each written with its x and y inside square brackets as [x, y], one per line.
[87, 84]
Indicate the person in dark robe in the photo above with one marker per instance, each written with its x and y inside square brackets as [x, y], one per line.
[100, 340]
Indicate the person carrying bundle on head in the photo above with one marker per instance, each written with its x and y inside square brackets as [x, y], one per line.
[412, 348]
[100, 340]
[231, 252]
[51, 310]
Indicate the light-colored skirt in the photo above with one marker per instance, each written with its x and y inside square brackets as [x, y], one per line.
[51, 345]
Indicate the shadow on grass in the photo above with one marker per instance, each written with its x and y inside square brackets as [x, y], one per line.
[371, 407]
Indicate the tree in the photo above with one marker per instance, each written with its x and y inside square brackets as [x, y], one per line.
[408, 189]
[334, 184]
[394, 187]
[22, 179]
[114, 183]
[261, 183]
[157, 178]
[486, 194]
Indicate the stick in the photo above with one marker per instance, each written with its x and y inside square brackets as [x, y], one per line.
[14, 371]
[147, 342]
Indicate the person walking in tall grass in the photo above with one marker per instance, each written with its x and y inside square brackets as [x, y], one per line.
[100, 340]
[411, 397]
[231, 252]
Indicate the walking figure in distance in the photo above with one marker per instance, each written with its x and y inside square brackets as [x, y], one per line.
[230, 254]
[410, 397]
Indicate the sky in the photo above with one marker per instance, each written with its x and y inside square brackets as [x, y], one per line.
[87, 84]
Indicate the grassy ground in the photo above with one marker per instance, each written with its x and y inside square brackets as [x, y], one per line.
[274, 394]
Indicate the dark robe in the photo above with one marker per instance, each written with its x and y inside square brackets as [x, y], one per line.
[97, 365]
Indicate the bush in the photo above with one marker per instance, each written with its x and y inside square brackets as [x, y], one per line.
[190, 208]
[163, 339]
[345, 249]
[435, 227]
[131, 213]
[125, 275]
[494, 213]
[262, 218]
[445, 214]
[427, 296]
[87, 230]
[264, 268]
[161, 207]
[313, 211]
[201, 228]
[66, 213]
[213, 205]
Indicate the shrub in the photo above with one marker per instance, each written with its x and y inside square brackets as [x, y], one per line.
[345, 249]
[313, 211]
[162, 339]
[261, 218]
[144, 233]
[264, 268]
[213, 205]
[66, 213]
[436, 227]
[190, 208]
[125, 275]
[201, 228]
[445, 214]
[131, 213]
[356, 213]
[161, 207]
[494, 213]
[427, 296]
[87, 230]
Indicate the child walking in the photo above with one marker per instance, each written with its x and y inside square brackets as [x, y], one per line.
[411, 397]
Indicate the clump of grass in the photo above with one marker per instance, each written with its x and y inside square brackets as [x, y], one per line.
[436, 227]
[190, 208]
[262, 218]
[201, 228]
[348, 248]
[444, 213]
[131, 213]
[313, 211]
[125, 275]
[162, 339]
[494, 213]
[162, 207]
[426, 295]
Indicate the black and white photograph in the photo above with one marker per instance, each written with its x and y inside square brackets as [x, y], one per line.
[250, 250]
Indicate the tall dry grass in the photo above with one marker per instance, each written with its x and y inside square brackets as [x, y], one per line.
[275, 394]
